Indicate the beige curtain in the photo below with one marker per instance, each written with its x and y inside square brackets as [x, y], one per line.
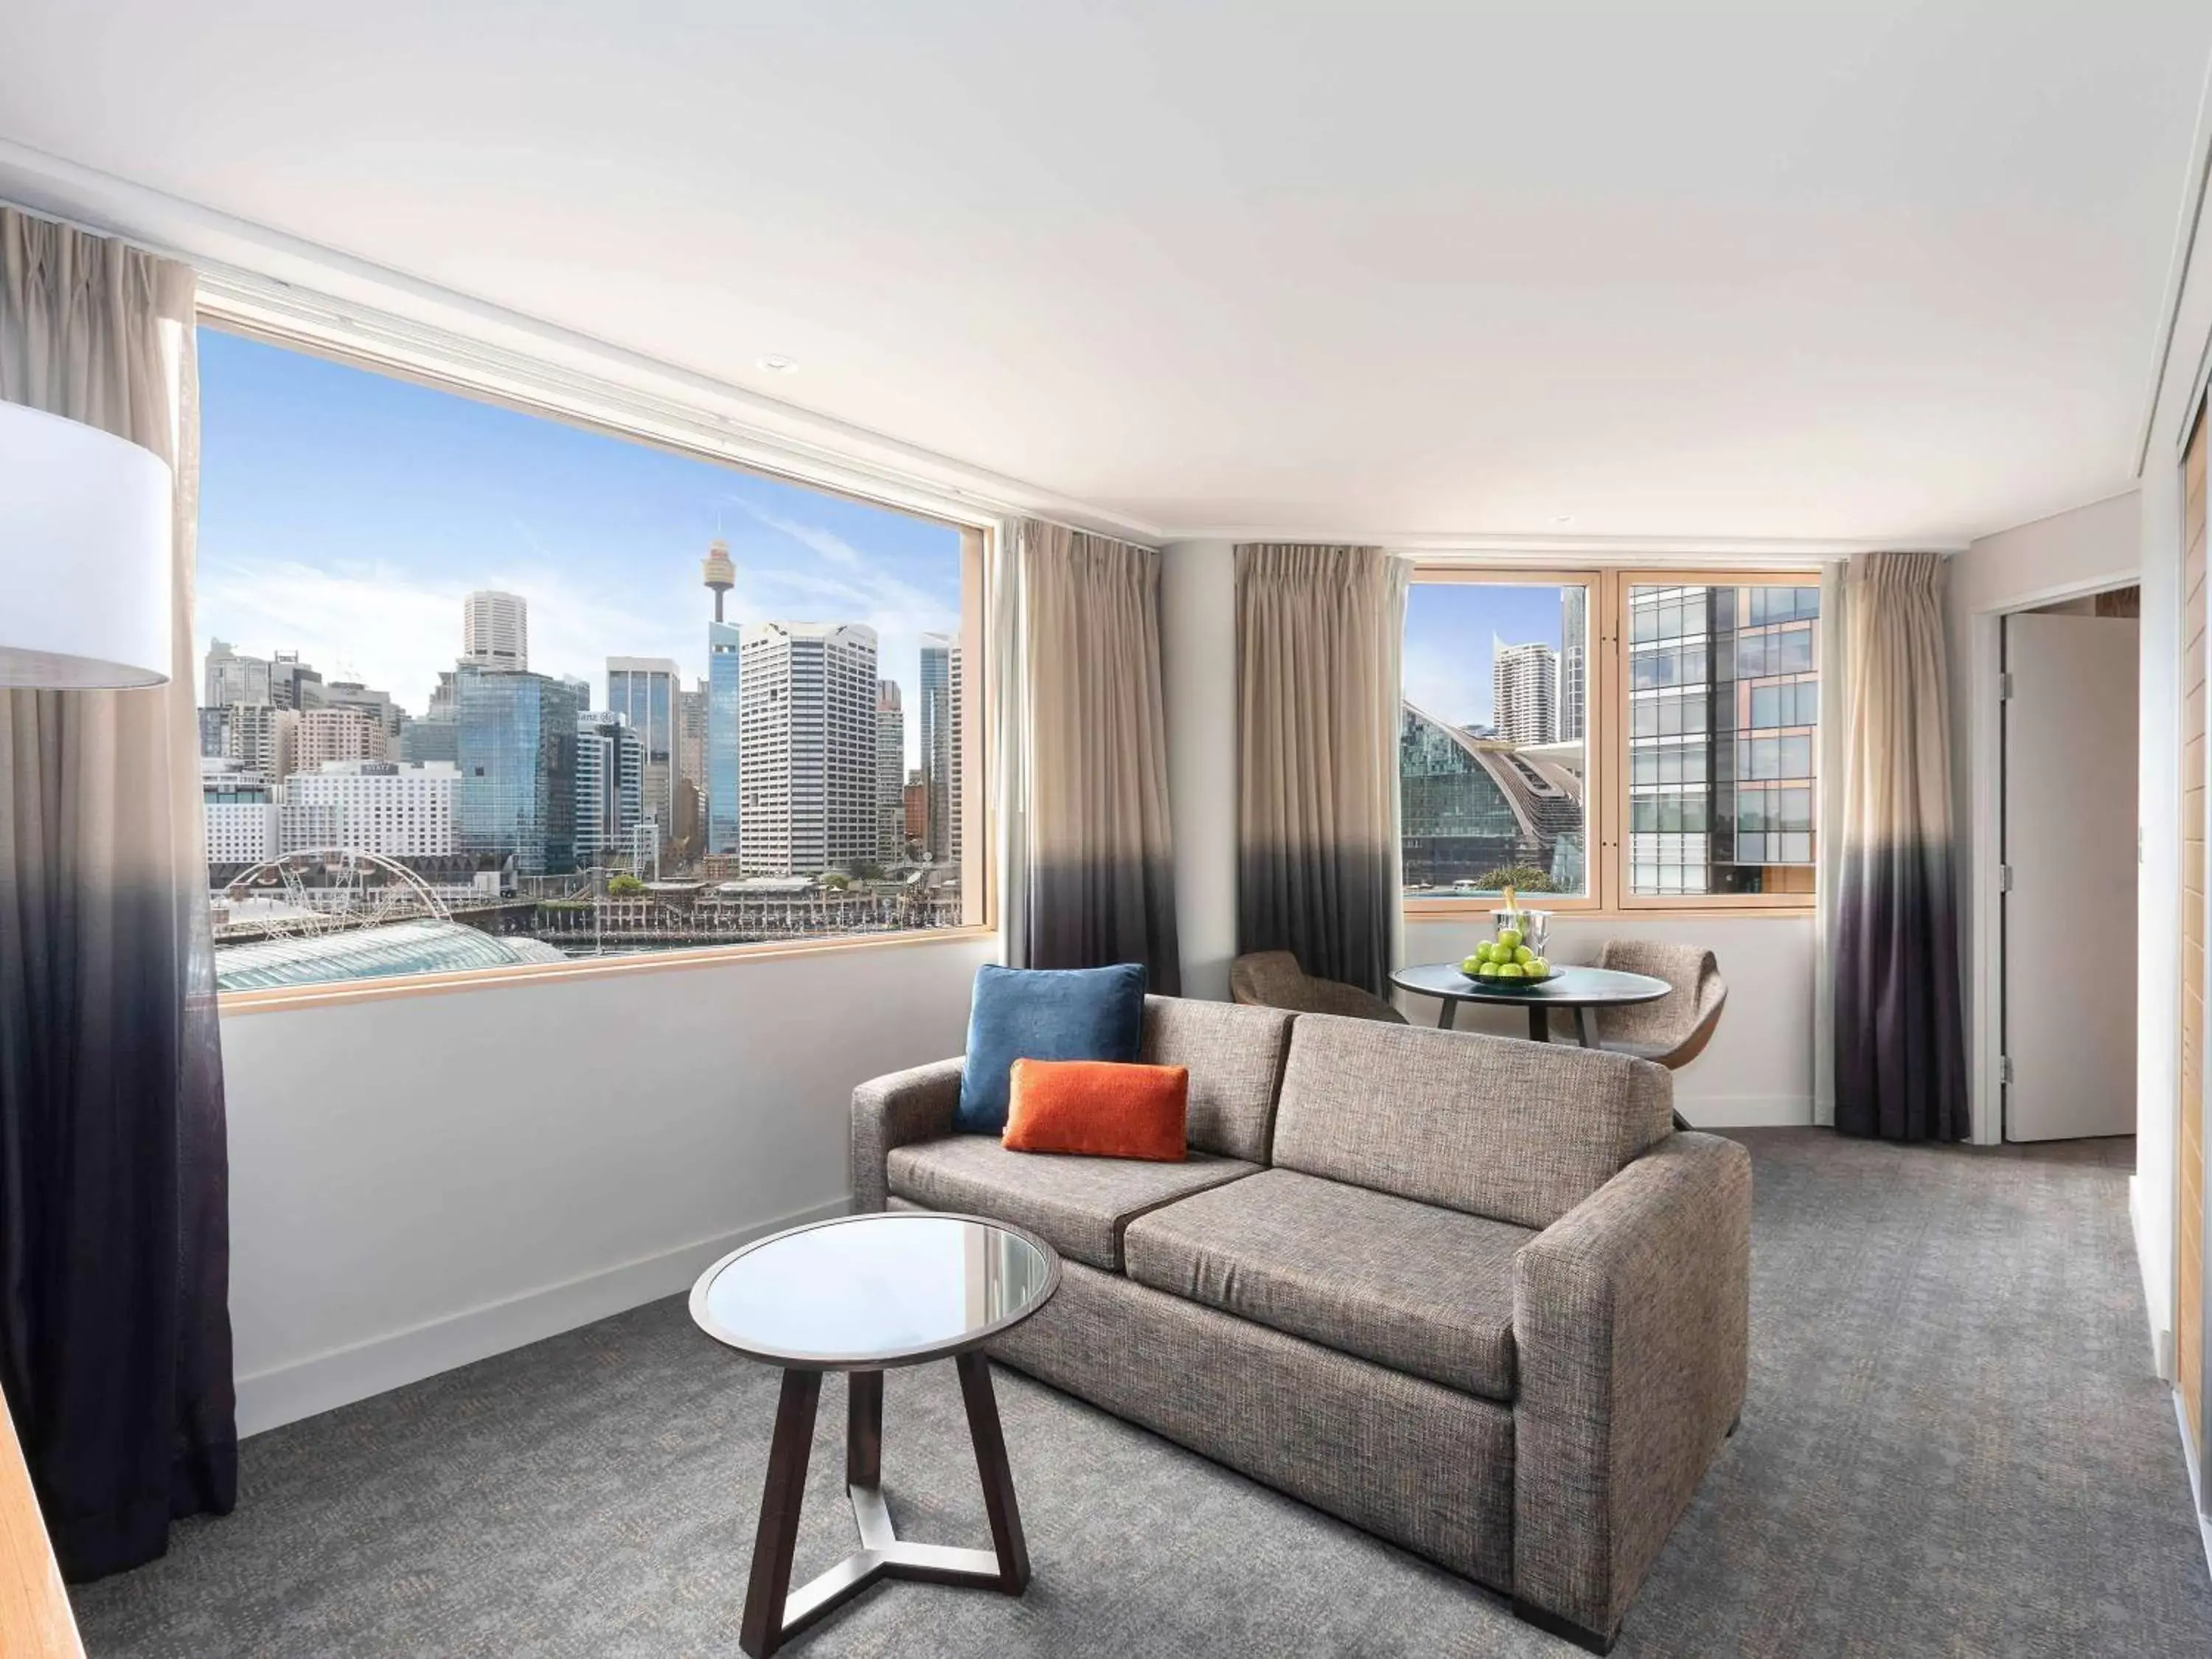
[1090, 856]
[1900, 1040]
[114, 1328]
[1320, 631]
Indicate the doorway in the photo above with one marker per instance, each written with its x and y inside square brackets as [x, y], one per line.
[2067, 876]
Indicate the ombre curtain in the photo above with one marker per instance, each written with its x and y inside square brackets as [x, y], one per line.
[114, 1251]
[1834, 658]
[1090, 856]
[1320, 635]
[1900, 1043]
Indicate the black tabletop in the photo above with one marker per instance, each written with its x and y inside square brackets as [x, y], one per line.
[1568, 987]
[864, 1291]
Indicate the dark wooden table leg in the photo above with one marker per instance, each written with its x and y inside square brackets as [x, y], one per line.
[1539, 1022]
[1444, 1014]
[863, 1429]
[1583, 1034]
[864, 1459]
[998, 1475]
[776, 1539]
[774, 1612]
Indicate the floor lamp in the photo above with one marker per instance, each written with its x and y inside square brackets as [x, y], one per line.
[86, 597]
[85, 557]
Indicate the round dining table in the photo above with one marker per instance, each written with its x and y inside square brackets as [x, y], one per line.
[1579, 989]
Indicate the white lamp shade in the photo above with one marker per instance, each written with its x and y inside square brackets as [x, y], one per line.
[85, 567]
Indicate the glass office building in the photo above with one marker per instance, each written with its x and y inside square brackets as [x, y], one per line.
[1724, 738]
[936, 740]
[723, 709]
[1474, 806]
[645, 691]
[516, 744]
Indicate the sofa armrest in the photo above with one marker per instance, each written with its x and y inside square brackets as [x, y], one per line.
[1632, 1316]
[898, 1110]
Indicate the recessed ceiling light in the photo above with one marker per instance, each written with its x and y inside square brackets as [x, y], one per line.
[1565, 517]
[776, 363]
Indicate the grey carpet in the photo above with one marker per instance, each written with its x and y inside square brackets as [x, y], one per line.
[1952, 1445]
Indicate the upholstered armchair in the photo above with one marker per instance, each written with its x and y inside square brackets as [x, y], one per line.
[1673, 1031]
[1272, 979]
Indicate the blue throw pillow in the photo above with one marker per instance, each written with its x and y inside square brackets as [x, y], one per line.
[1044, 1014]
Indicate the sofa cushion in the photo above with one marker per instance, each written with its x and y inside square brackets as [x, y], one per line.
[1078, 1206]
[1097, 1110]
[1043, 1013]
[1516, 1131]
[1235, 1057]
[1421, 1289]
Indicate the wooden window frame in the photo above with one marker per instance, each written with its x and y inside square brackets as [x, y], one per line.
[1591, 900]
[565, 404]
[1606, 731]
[1627, 899]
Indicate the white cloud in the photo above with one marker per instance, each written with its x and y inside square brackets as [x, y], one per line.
[398, 632]
[831, 546]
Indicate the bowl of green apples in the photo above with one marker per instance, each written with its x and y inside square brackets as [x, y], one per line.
[1507, 962]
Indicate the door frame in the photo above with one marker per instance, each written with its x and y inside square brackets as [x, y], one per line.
[1985, 731]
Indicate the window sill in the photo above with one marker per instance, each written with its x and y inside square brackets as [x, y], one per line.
[337, 992]
[1477, 910]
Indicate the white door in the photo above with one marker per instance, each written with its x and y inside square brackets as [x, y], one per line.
[2069, 841]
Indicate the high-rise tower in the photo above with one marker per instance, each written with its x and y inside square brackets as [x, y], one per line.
[721, 758]
[938, 711]
[1524, 681]
[1574, 632]
[647, 692]
[809, 717]
[717, 573]
[495, 630]
[890, 772]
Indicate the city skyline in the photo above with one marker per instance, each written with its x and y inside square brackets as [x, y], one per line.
[308, 543]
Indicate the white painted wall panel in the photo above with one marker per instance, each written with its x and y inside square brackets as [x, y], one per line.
[420, 1181]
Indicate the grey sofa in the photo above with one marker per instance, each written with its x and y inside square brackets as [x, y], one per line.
[1473, 1295]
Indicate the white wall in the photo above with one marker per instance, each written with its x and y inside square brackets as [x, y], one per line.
[1758, 1069]
[2089, 548]
[422, 1181]
[1198, 649]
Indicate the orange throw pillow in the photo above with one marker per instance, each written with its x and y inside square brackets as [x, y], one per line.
[1099, 1107]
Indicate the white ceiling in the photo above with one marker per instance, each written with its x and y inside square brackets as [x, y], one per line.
[1862, 269]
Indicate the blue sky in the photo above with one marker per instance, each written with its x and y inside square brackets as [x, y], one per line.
[343, 515]
[1449, 629]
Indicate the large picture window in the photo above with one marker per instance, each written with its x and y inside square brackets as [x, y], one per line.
[483, 687]
[1617, 739]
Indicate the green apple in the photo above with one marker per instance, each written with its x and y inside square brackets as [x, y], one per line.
[1523, 954]
[1540, 969]
[1470, 965]
[1488, 970]
[1510, 938]
[1511, 970]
